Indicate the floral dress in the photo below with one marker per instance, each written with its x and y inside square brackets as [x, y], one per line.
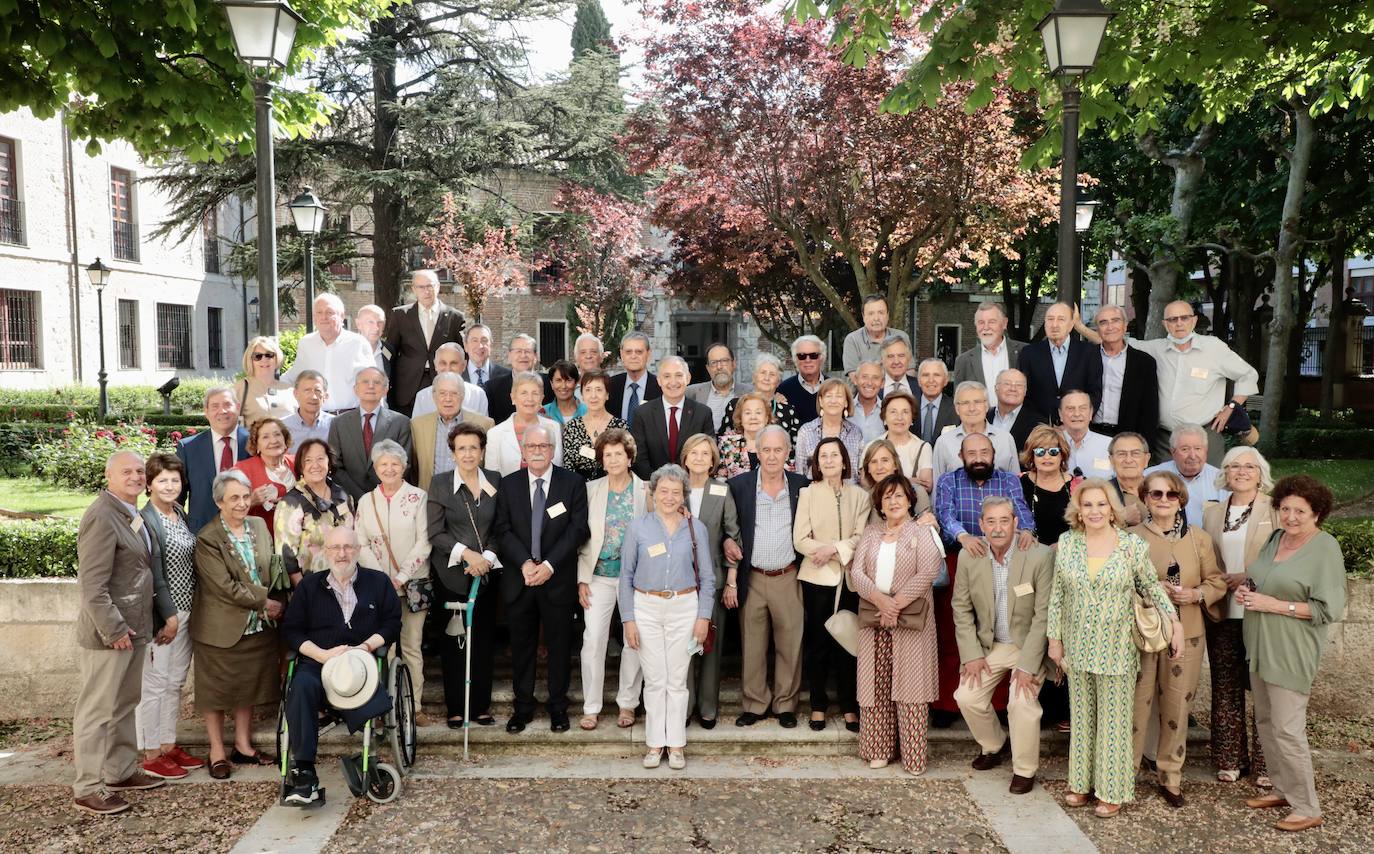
[783, 415]
[620, 507]
[303, 519]
[575, 438]
[736, 458]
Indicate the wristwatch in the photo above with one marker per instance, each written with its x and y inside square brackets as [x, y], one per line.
[1292, 609]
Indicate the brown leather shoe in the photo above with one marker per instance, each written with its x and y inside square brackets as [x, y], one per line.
[986, 761]
[1173, 799]
[99, 804]
[1021, 785]
[1299, 823]
[137, 780]
[1266, 802]
[1078, 799]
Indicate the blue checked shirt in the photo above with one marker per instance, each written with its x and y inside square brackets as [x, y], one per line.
[959, 502]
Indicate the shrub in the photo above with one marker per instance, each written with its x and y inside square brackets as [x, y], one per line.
[126, 400]
[43, 548]
[1356, 537]
[288, 339]
[76, 456]
[1325, 443]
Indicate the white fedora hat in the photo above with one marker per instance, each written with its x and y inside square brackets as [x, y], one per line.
[349, 679]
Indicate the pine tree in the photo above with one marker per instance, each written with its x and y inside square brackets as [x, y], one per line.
[591, 31]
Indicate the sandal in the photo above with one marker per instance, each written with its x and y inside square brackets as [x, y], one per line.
[220, 769]
[1228, 775]
[1264, 782]
[257, 757]
[626, 719]
[588, 722]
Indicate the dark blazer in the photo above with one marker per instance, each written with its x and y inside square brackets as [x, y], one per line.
[355, 473]
[969, 364]
[1139, 409]
[910, 381]
[721, 521]
[743, 488]
[615, 394]
[803, 401]
[450, 524]
[225, 592]
[499, 406]
[561, 537]
[650, 432]
[945, 417]
[314, 614]
[496, 371]
[163, 607]
[197, 454]
[113, 577]
[1021, 428]
[1082, 371]
[412, 358]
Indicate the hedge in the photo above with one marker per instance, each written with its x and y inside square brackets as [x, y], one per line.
[1325, 443]
[1356, 537]
[188, 397]
[15, 439]
[61, 414]
[44, 548]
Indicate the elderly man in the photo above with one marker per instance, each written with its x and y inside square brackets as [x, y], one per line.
[934, 409]
[1188, 451]
[865, 344]
[589, 354]
[994, 352]
[210, 452]
[896, 358]
[352, 435]
[1001, 602]
[765, 586]
[1011, 412]
[1130, 380]
[636, 385]
[868, 404]
[309, 421]
[1130, 453]
[541, 522]
[414, 332]
[429, 432]
[523, 355]
[478, 344]
[450, 359]
[971, 403]
[349, 607]
[660, 427]
[1088, 451]
[334, 352]
[718, 391]
[115, 580]
[1059, 362]
[808, 354]
[369, 323]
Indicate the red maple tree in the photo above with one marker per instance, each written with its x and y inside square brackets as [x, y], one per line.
[481, 268]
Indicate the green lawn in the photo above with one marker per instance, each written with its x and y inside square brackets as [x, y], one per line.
[31, 495]
[1348, 479]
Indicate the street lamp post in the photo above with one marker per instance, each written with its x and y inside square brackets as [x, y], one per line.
[99, 275]
[308, 214]
[1072, 33]
[1084, 208]
[264, 31]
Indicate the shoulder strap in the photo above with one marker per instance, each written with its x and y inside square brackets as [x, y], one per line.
[395, 564]
[691, 532]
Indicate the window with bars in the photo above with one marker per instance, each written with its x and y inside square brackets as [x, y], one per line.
[124, 228]
[11, 211]
[553, 341]
[128, 335]
[214, 334]
[18, 330]
[341, 224]
[173, 336]
[209, 231]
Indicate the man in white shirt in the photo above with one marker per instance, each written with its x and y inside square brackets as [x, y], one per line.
[369, 322]
[865, 343]
[868, 409]
[971, 403]
[334, 352]
[1089, 453]
[450, 358]
[718, 391]
[1011, 413]
[1188, 445]
[994, 352]
[309, 421]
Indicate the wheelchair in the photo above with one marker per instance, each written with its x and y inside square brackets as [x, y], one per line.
[379, 781]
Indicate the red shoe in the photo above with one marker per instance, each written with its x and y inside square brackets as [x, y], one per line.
[184, 759]
[164, 768]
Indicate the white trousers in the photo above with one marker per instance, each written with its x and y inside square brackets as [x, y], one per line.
[594, 636]
[665, 633]
[164, 674]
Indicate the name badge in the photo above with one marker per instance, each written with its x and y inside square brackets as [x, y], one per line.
[719, 489]
[586, 452]
[136, 525]
[1198, 373]
[1023, 589]
[1102, 464]
[488, 489]
[556, 510]
[658, 550]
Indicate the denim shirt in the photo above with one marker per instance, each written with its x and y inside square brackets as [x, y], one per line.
[670, 570]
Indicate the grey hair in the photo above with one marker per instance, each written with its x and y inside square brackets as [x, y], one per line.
[1109, 307]
[808, 339]
[389, 448]
[675, 358]
[767, 359]
[636, 336]
[991, 305]
[452, 345]
[971, 385]
[451, 377]
[309, 374]
[372, 308]
[997, 501]
[1266, 475]
[773, 428]
[671, 471]
[528, 337]
[868, 363]
[216, 391]
[222, 481]
[526, 377]
[600, 347]
[535, 428]
[1186, 430]
[428, 275]
[332, 299]
[934, 360]
[358, 374]
[893, 340]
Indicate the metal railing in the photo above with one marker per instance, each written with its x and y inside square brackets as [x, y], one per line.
[125, 240]
[11, 221]
[1314, 352]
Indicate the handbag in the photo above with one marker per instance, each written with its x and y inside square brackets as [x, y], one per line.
[419, 592]
[1148, 630]
[843, 624]
[710, 642]
[912, 617]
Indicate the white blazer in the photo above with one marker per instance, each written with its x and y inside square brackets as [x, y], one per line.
[598, 493]
[503, 451]
[404, 521]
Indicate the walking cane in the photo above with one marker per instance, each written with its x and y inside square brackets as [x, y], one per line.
[467, 608]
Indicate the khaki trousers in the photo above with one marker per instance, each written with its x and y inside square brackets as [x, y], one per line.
[1164, 690]
[412, 635]
[1281, 716]
[104, 735]
[1023, 713]
[773, 607]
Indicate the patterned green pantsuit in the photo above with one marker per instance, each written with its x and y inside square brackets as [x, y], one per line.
[1100, 747]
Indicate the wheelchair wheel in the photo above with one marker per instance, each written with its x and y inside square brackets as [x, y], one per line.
[401, 726]
[383, 783]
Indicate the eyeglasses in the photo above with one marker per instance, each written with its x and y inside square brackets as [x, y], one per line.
[1043, 452]
[807, 357]
[262, 357]
[1161, 494]
[541, 447]
[1243, 466]
[1132, 453]
[717, 363]
[1179, 318]
[343, 548]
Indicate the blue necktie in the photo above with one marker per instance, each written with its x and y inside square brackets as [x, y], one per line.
[537, 520]
[632, 404]
[482, 377]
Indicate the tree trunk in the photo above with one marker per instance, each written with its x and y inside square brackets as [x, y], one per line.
[1333, 356]
[388, 261]
[1188, 165]
[1299, 161]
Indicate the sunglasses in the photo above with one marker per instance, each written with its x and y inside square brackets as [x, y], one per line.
[1161, 494]
[262, 357]
[1043, 452]
[807, 357]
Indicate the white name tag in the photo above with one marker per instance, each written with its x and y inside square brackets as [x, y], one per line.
[586, 452]
[1198, 373]
[1102, 464]
[488, 489]
[719, 489]
[658, 550]
[1023, 589]
[556, 510]
[136, 525]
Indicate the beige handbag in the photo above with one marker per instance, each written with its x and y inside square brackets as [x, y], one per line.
[843, 625]
[1150, 630]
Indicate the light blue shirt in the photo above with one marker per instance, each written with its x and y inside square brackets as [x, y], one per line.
[1201, 489]
[669, 567]
[300, 431]
[1060, 356]
[630, 384]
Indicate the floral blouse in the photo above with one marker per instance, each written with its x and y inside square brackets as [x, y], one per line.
[620, 507]
[736, 458]
[404, 522]
[302, 521]
[783, 415]
[575, 438]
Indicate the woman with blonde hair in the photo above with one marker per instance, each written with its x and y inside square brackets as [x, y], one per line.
[261, 394]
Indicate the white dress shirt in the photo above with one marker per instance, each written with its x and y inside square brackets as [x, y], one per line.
[337, 362]
[1005, 422]
[480, 373]
[994, 361]
[642, 382]
[233, 438]
[1192, 383]
[1113, 379]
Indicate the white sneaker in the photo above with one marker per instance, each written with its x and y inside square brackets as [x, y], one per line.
[917, 773]
[653, 757]
[677, 760]
[877, 763]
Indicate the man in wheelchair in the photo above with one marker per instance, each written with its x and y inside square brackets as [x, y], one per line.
[331, 613]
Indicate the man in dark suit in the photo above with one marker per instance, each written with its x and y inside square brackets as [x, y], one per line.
[934, 409]
[765, 586]
[994, 352]
[210, 452]
[808, 354]
[523, 356]
[636, 385]
[541, 522]
[1010, 412]
[1130, 380]
[1058, 363]
[413, 333]
[662, 426]
[481, 369]
[896, 363]
[353, 434]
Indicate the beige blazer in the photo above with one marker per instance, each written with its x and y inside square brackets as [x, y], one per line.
[422, 440]
[1198, 567]
[598, 493]
[404, 520]
[113, 575]
[1263, 522]
[1030, 579]
[821, 520]
[225, 592]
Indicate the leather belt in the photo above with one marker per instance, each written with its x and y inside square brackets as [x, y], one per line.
[773, 573]
[667, 594]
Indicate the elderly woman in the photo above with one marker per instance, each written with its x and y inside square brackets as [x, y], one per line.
[737, 451]
[767, 376]
[1183, 557]
[710, 502]
[260, 393]
[313, 506]
[613, 502]
[391, 523]
[915, 456]
[1099, 568]
[1045, 481]
[1299, 590]
[880, 460]
[565, 406]
[236, 649]
[579, 435]
[667, 593]
[893, 568]
[505, 439]
[270, 469]
[461, 511]
[830, 517]
[1239, 528]
[835, 405]
[169, 656]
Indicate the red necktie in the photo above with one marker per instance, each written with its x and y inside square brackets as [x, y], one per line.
[226, 457]
[672, 434]
[367, 434]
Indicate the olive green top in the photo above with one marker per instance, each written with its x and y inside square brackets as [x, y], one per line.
[1282, 649]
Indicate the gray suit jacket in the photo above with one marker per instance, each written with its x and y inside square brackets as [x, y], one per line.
[721, 521]
[114, 576]
[701, 391]
[969, 364]
[355, 473]
[1030, 577]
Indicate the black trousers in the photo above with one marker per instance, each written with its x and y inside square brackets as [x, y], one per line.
[453, 655]
[823, 656]
[304, 702]
[531, 611]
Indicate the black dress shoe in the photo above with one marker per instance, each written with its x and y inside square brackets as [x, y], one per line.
[484, 720]
[942, 719]
[818, 725]
[1021, 785]
[1173, 799]
[517, 723]
[707, 723]
[747, 719]
[986, 761]
[787, 720]
[559, 724]
[852, 726]
[456, 722]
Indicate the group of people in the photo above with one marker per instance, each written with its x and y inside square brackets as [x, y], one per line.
[922, 554]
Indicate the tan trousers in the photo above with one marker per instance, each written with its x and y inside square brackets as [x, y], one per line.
[104, 735]
[1165, 689]
[1023, 714]
[1281, 716]
[773, 607]
[412, 634]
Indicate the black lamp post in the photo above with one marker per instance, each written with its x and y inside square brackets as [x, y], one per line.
[264, 31]
[308, 214]
[99, 275]
[1073, 33]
